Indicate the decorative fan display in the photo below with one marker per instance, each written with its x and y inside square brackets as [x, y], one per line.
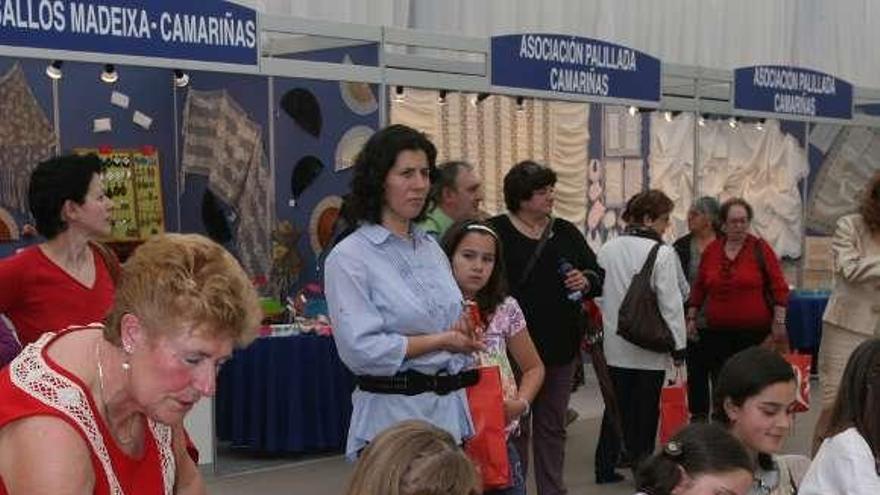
[302, 106]
[358, 96]
[350, 145]
[8, 228]
[307, 169]
[322, 221]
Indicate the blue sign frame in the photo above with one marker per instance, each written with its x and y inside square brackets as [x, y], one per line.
[574, 65]
[792, 90]
[204, 30]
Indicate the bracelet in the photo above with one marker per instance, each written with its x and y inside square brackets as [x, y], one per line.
[528, 406]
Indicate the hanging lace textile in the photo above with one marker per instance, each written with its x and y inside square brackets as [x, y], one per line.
[26, 138]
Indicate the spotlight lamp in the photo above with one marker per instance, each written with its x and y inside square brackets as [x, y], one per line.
[667, 116]
[181, 78]
[702, 120]
[732, 122]
[441, 98]
[398, 94]
[632, 110]
[109, 75]
[53, 70]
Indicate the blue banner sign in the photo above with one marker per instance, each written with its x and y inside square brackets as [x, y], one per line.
[205, 30]
[792, 90]
[571, 64]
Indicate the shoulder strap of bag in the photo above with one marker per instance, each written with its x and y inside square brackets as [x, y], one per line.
[110, 261]
[542, 242]
[648, 268]
[765, 273]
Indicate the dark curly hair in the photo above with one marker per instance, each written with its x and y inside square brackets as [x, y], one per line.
[493, 293]
[870, 205]
[372, 165]
[55, 181]
[522, 180]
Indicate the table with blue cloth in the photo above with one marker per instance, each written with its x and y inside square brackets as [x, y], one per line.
[804, 321]
[285, 395]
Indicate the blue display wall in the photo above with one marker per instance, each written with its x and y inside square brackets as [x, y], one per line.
[83, 98]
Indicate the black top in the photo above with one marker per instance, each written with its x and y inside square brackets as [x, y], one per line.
[555, 323]
[683, 249]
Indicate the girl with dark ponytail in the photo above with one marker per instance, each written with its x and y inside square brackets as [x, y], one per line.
[702, 459]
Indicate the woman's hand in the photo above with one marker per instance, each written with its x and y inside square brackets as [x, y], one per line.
[514, 409]
[692, 330]
[576, 280]
[462, 337]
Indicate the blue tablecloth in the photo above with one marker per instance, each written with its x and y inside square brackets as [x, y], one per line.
[285, 395]
[804, 319]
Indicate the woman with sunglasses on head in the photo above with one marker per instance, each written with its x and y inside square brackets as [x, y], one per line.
[475, 253]
[741, 288]
[848, 462]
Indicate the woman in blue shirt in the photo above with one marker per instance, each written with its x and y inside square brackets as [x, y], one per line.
[395, 306]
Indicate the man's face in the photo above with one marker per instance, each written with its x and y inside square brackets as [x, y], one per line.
[463, 203]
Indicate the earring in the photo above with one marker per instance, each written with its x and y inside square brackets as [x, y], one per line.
[126, 366]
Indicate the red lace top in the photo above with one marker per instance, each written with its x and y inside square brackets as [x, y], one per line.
[33, 385]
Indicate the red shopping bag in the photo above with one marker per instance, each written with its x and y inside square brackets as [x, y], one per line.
[488, 447]
[801, 364]
[673, 408]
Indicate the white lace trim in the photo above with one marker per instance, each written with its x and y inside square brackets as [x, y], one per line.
[29, 372]
[162, 433]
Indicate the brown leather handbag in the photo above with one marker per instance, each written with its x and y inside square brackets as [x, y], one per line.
[639, 320]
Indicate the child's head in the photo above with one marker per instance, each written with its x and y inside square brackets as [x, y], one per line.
[858, 398]
[474, 251]
[754, 396]
[414, 458]
[700, 459]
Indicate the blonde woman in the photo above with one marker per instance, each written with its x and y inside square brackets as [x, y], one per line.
[99, 409]
[413, 458]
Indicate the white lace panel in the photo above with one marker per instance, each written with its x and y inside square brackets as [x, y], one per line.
[30, 373]
[162, 434]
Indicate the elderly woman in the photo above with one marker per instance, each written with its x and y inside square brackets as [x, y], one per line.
[397, 311]
[98, 409]
[852, 315]
[66, 280]
[703, 226]
[741, 288]
[637, 372]
[547, 262]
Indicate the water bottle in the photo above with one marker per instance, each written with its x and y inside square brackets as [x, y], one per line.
[564, 267]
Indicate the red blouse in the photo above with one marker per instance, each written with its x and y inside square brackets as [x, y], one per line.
[38, 296]
[733, 290]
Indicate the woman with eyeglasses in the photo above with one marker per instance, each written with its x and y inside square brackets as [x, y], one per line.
[741, 288]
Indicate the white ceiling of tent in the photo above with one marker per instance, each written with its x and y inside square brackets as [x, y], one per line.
[835, 37]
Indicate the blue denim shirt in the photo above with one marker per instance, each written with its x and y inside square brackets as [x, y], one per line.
[380, 289]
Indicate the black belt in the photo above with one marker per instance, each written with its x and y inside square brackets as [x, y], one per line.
[413, 383]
